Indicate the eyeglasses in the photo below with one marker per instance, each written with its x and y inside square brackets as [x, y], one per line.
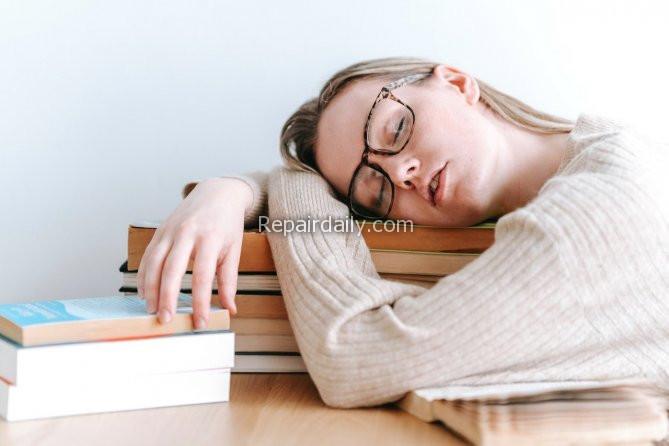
[388, 129]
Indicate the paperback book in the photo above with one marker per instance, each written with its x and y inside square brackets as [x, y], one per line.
[96, 319]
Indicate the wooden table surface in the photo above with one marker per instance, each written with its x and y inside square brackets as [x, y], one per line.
[264, 409]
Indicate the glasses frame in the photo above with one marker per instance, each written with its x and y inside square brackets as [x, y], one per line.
[385, 93]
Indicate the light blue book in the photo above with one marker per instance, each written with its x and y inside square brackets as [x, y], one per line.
[96, 319]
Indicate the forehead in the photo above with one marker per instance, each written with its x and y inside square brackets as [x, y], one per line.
[340, 140]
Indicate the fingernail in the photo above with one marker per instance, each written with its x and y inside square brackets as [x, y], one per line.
[165, 316]
[200, 323]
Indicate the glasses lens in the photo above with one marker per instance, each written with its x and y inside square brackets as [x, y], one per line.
[371, 193]
[389, 126]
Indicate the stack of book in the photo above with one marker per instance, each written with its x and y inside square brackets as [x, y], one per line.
[621, 412]
[101, 354]
[264, 340]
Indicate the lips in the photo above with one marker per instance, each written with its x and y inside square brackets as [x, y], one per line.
[437, 185]
[434, 183]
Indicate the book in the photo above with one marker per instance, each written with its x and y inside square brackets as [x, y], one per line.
[257, 326]
[256, 255]
[587, 412]
[268, 362]
[128, 392]
[390, 261]
[253, 304]
[72, 362]
[96, 319]
[262, 283]
[265, 343]
[268, 305]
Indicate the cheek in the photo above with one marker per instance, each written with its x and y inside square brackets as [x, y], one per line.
[442, 134]
[458, 131]
[465, 140]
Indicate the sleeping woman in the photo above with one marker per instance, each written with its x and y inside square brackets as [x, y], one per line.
[575, 286]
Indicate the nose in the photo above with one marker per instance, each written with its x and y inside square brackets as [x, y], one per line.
[402, 168]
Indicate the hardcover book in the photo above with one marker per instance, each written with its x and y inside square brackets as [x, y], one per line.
[256, 255]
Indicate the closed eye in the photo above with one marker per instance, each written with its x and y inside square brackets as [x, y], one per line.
[399, 130]
[379, 200]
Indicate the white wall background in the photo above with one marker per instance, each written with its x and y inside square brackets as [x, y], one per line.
[108, 108]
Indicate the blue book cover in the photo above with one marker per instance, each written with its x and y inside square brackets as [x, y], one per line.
[90, 308]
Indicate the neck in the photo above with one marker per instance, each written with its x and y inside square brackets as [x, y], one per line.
[526, 160]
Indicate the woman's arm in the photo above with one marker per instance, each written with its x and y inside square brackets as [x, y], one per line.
[508, 316]
[207, 226]
[257, 181]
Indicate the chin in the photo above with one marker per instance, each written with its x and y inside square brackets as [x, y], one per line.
[457, 213]
[457, 216]
[440, 217]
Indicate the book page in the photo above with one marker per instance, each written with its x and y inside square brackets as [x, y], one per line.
[149, 224]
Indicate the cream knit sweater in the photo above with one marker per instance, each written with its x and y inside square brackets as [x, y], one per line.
[575, 286]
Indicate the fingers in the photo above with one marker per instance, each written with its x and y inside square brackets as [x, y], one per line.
[141, 271]
[226, 275]
[204, 269]
[172, 275]
[150, 270]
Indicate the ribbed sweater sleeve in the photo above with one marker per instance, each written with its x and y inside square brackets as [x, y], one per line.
[257, 181]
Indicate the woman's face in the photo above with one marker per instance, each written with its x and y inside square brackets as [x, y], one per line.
[452, 139]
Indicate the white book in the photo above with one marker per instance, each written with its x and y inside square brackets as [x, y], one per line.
[73, 362]
[269, 363]
[110, 395]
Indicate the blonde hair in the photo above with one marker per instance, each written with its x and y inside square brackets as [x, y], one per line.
[299, 133]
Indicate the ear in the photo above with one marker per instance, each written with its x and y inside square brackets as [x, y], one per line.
[465, 84]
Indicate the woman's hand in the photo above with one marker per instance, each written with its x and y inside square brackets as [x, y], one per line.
[207, 226]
